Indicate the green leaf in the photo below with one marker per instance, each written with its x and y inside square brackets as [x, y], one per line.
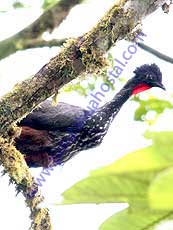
[161, 191]
[18, 5]
[48, 3]
[152, 104]
[135, 220]
[91, 86]
[157, 156]
[76, 87]
[127, 179]
[143, 179]
[106, 189]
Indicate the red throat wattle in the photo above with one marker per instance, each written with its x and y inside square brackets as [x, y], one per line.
[140, 88]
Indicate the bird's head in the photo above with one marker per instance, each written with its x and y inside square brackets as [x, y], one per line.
[146, 77]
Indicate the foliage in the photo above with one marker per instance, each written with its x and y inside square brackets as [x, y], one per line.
[15, 5]
[77, 88]
[135, 220]
[48, 3]
[153, 104]
[18, 4]
[161, 190]
[143, 179]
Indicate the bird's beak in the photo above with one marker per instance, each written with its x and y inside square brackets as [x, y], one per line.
[160, 85]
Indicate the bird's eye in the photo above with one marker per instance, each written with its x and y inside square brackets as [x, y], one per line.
[149, 76]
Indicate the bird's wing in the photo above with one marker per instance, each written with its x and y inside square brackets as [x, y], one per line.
[63, 117]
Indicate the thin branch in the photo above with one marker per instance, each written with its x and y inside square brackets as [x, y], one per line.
[155, 52]
[39, 43]
[49, 20]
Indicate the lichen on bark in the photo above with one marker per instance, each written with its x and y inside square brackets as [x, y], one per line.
[15, 164]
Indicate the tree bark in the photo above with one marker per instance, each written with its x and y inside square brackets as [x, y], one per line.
[84, 54]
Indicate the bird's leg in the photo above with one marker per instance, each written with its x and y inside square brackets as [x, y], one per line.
[55, 99]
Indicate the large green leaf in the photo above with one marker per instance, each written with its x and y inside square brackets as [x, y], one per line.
[133, 179]
[128, 179]
[156, 157]
[143, 179]
[161, 191]
[135, 220]
[106, 189]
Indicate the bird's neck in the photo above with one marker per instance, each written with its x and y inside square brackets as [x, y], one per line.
[112, 108]
[97, 125]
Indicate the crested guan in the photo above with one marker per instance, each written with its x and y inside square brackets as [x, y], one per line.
[51, 135]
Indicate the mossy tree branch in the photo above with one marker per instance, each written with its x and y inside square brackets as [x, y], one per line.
[16, 167]
[84, 54]
[29, 37]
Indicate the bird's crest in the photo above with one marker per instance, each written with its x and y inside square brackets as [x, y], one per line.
[149, 70]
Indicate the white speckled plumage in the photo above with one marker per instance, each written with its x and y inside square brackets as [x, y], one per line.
[64, 130]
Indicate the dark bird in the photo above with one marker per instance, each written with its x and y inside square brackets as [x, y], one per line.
[51, 135]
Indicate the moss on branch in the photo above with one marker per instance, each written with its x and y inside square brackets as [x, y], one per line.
[85, 54]
[14, 163]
